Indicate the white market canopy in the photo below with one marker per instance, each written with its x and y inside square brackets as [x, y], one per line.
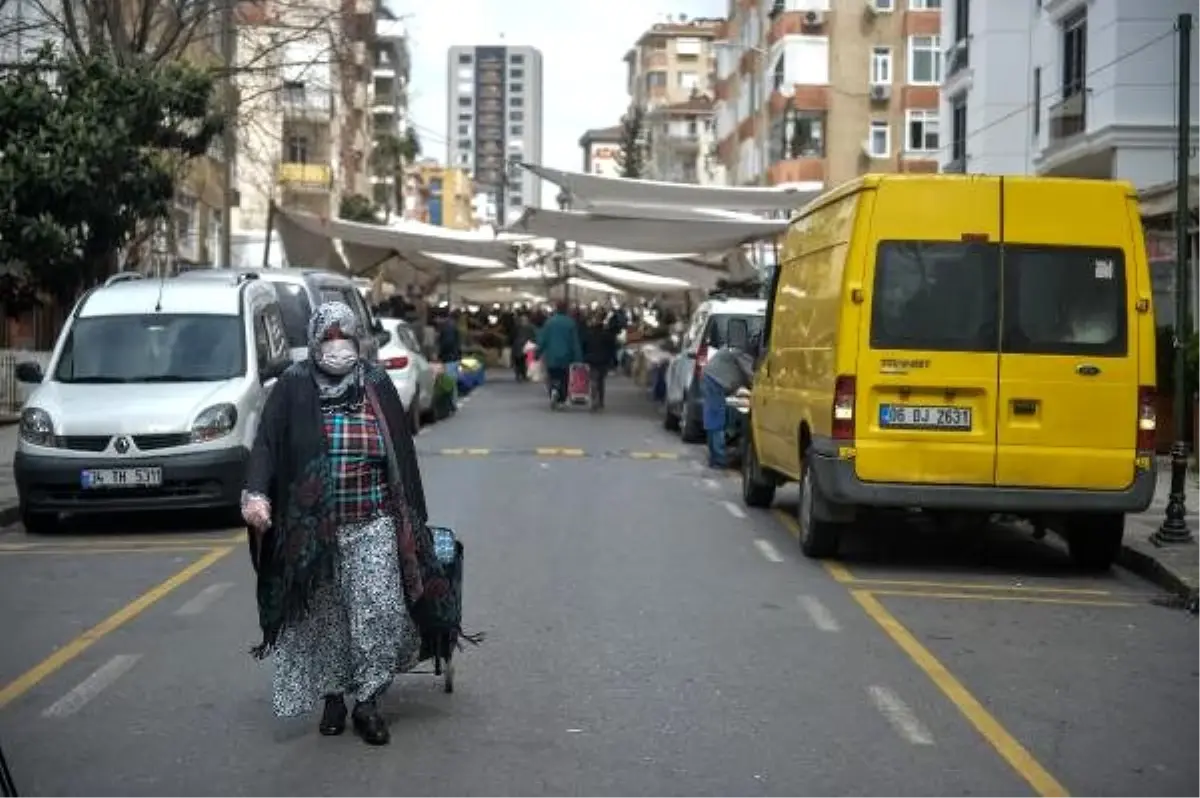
[598, 193]
[637, 282]
[404, 254]
[668, 236]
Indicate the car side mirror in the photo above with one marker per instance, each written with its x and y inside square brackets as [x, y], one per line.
[29, 372]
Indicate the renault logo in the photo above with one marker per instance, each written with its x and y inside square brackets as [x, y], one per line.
[122, 445]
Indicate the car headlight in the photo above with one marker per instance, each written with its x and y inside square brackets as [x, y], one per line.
[214, 422]
[36, 427]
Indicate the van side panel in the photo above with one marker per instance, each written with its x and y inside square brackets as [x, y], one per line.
[1069, 361]
[913, 387]
[1147, 330]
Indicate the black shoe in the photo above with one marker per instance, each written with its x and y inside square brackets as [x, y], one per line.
[370, 725]
[333, 720]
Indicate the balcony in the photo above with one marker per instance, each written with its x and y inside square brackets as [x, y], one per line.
[1068, 116]
[305, 176]
[957, 61]
[797, 170]
[312, 106]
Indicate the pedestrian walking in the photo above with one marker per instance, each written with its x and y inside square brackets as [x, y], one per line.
[599, 351]
[449, 346]
[523, 333]
[726, 371]
[339, 540]
[559, 347]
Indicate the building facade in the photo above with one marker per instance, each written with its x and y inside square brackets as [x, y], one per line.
[1082, 88]
[389, 111]
[680, 142]
[494, 121]
[601, 151]
[671, 61]
[440, 195]
[812, 93]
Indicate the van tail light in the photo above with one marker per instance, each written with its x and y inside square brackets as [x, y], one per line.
[395, 363]
[843, 408]
[1147, 425]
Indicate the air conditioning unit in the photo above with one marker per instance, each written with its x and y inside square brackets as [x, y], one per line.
[880, 6]
[813, 19]
[866, 150]
[880, 92]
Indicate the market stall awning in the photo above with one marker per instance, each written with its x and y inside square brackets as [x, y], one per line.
[637, 282]
[646, 235]
[589, 191]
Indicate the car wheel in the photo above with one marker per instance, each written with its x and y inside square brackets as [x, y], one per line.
[1094, 539]
[691, 429]
[414, 413]
[818, 539]
[758, 490]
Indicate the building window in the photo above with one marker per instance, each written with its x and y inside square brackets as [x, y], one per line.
[1074, 55]
[297, 149]
[516, 201]
[464, 144]
[687, 80]
[516, 59]
[465, 58]
[464, 117]
[516, 116]
[464, 130]
[879, 141]
[925, 60]
[922, 131]
[516, 102]
[655, 80]
[464, 102]
[516, 130]
[516, 74]
[1037, 100]
[924, 5]
[958, 132]
[516, 88]
[464, 158]
[881, 66]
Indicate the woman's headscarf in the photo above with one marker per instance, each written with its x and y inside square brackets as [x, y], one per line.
[327, 318]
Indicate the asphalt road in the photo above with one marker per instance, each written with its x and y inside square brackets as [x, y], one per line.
[646, 636]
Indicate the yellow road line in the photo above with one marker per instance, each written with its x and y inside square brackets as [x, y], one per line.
[32, 677]
[995, 587]
[554, 451]
[76, 551]
[993, 597]
[452, 451]
[654, 455]
[791, 525]
[996, 735]
[478, 452]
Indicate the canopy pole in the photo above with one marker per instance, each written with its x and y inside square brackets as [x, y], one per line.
[266, 261]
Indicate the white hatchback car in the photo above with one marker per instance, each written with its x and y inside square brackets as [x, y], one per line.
[409, 369]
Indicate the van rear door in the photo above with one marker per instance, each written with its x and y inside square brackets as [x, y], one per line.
[925, 389]
[1068, 409]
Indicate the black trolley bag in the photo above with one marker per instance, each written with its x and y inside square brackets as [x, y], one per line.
[438, 613]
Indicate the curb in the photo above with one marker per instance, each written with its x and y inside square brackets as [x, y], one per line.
[1145, 566]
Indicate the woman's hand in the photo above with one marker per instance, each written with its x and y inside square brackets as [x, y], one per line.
[256, 510]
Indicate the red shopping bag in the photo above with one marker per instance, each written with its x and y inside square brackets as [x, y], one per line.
[578, 383]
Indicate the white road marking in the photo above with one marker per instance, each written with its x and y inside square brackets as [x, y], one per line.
[711, 484]
[767, 550]
[91, 687]
[734, 510]
[204, 599]
[901, 718]
[821, 617]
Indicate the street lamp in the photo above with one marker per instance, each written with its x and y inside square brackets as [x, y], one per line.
[560, 249]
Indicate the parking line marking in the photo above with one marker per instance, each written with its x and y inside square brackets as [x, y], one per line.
[734, 510]
[452, 451]
[204, 599]
[32, 677]
[1017, 756]
[92, 686]
[478, 452]
[821, 617]
[948, 595]
[767, 550]
[899, 716]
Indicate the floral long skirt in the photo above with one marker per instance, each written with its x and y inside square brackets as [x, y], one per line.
[358, 633]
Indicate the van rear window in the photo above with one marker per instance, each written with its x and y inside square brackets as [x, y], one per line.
[936, 296]
[1065, 301]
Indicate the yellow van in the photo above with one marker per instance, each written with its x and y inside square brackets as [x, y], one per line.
[963, 344]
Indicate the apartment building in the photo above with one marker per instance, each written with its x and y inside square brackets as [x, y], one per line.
[494, 120]
[389, 105]
[680, 141]
[812, 93]
[601, 151]
[1084, 88]
[441, 195]
[671, 61]
[304, 127]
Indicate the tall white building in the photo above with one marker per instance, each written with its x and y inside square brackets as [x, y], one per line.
[1082, 88]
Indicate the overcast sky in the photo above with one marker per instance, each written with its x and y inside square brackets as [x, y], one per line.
[582, 43]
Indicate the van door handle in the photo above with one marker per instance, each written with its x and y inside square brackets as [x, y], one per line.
[1024, 407]
[1087, 370]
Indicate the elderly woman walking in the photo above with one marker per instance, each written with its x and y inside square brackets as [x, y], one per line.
[337, 515]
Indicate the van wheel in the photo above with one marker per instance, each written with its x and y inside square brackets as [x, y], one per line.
[670, 420]
[1094, 539]
[758, 490]
[39, 523]
[818, 539]
[691, 430]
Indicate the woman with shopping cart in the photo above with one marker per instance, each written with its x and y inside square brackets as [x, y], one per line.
[559, 347]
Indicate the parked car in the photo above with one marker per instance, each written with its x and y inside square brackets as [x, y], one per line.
[709, 329]
[994, 356]
[299, 291]
[150, 399]
[409, 369]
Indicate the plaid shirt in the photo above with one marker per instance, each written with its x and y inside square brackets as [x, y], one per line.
[359, 459]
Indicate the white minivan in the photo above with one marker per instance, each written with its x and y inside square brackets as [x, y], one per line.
[150, 399]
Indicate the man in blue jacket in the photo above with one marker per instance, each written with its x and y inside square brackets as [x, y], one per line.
[558, 346]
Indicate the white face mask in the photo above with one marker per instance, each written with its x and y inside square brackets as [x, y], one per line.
[338, 357]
